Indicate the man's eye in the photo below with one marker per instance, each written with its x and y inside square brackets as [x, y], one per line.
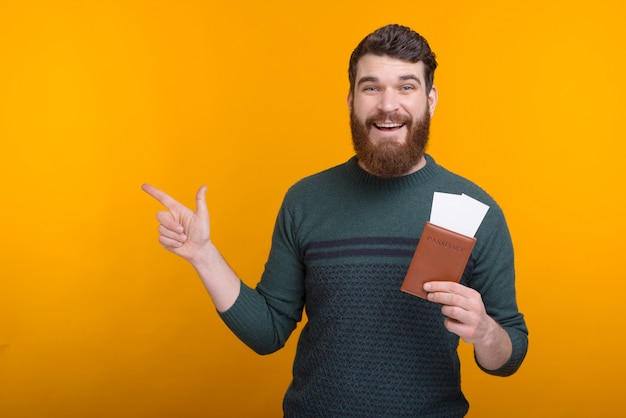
[369, 88]
[408, 88]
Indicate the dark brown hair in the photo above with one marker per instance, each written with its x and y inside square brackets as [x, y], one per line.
[399, 42]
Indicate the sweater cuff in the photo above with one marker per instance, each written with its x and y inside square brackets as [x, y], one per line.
[239, 315]
[519, 343]
[249, 320]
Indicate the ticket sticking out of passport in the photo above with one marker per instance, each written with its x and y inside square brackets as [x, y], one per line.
[441, 254]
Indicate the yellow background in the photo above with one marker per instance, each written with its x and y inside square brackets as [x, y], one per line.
[97, 320]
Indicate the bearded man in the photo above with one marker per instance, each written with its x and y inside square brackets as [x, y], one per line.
[341, 247]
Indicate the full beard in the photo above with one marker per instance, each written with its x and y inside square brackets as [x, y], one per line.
[390, 159]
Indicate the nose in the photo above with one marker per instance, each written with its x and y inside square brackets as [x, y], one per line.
[388, 101]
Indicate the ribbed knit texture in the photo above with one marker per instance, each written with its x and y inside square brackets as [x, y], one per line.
[341, 247]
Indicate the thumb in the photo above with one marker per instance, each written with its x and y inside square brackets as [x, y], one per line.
[201, 200]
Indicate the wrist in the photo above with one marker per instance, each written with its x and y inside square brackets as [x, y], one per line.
[218, 278]
[204, 256]
[495, 348]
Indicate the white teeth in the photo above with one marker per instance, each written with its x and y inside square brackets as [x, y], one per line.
[388, 125]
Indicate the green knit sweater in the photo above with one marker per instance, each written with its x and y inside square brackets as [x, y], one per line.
[342, 244]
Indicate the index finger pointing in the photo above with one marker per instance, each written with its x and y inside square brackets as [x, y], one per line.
[159, 195]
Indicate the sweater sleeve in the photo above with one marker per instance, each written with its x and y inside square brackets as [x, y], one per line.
[494, 277]
[264, 317]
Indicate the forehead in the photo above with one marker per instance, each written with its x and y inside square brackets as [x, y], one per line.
[388, 68]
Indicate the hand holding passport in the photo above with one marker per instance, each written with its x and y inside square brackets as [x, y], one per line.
[446, 242]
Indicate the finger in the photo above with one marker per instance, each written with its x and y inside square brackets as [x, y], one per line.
[454, 312]
[444, 286]
[456, 327]
[447, 298]
[160, 195]
[169, 243]
[201, 200]
[173, 235]
[448, 290]
[166, 219]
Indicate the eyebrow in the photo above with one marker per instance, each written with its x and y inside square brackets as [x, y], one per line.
[373, 79]
[410, 77]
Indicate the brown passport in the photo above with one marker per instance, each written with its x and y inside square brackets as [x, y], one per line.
[441, 254]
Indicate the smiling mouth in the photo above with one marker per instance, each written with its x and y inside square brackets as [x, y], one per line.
[388, 126]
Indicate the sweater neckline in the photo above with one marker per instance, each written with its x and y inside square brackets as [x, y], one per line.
[413, 179]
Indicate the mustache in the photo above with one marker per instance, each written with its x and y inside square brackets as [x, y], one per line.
[382, 117]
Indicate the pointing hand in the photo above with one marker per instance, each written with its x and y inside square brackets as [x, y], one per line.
[182, 231]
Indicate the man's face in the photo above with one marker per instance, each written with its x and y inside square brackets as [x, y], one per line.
[390, 115]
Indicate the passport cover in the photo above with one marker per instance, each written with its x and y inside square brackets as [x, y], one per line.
[441, 254]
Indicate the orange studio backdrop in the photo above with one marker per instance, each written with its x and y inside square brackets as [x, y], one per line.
[96, 98]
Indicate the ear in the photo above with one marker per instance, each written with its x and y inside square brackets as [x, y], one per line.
[433, 97]
[349, 100]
